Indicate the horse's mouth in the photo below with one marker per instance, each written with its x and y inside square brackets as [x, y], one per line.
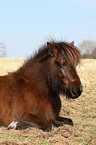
[73, 95]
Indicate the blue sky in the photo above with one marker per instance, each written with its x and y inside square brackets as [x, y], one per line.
[26, 24]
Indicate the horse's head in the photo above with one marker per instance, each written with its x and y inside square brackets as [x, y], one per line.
[64, 79]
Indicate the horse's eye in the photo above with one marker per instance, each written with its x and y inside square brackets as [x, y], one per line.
[63, 64]
[59, 64]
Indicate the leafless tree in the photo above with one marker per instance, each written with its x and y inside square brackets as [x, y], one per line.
[2, 50]
[87, 46]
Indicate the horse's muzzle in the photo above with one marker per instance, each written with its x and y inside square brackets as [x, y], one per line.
[75, 92]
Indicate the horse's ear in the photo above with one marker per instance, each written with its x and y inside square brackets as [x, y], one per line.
[72, 43]
[52, 48]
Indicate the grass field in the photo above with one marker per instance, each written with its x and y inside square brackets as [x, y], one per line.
[82, 111]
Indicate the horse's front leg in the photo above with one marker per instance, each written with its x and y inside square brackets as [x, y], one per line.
[61, 121]
[33, 121]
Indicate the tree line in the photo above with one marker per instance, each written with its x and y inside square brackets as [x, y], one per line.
[87, 48]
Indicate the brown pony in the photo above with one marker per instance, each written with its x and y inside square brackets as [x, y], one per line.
[30, 96]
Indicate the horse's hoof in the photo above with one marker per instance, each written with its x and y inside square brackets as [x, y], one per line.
[71, 122]
[47, 127]
[12, 125]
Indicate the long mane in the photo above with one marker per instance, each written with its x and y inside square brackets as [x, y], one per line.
[70, 52]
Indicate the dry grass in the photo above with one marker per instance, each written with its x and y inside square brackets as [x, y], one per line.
[82, 111]
[9, 65]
